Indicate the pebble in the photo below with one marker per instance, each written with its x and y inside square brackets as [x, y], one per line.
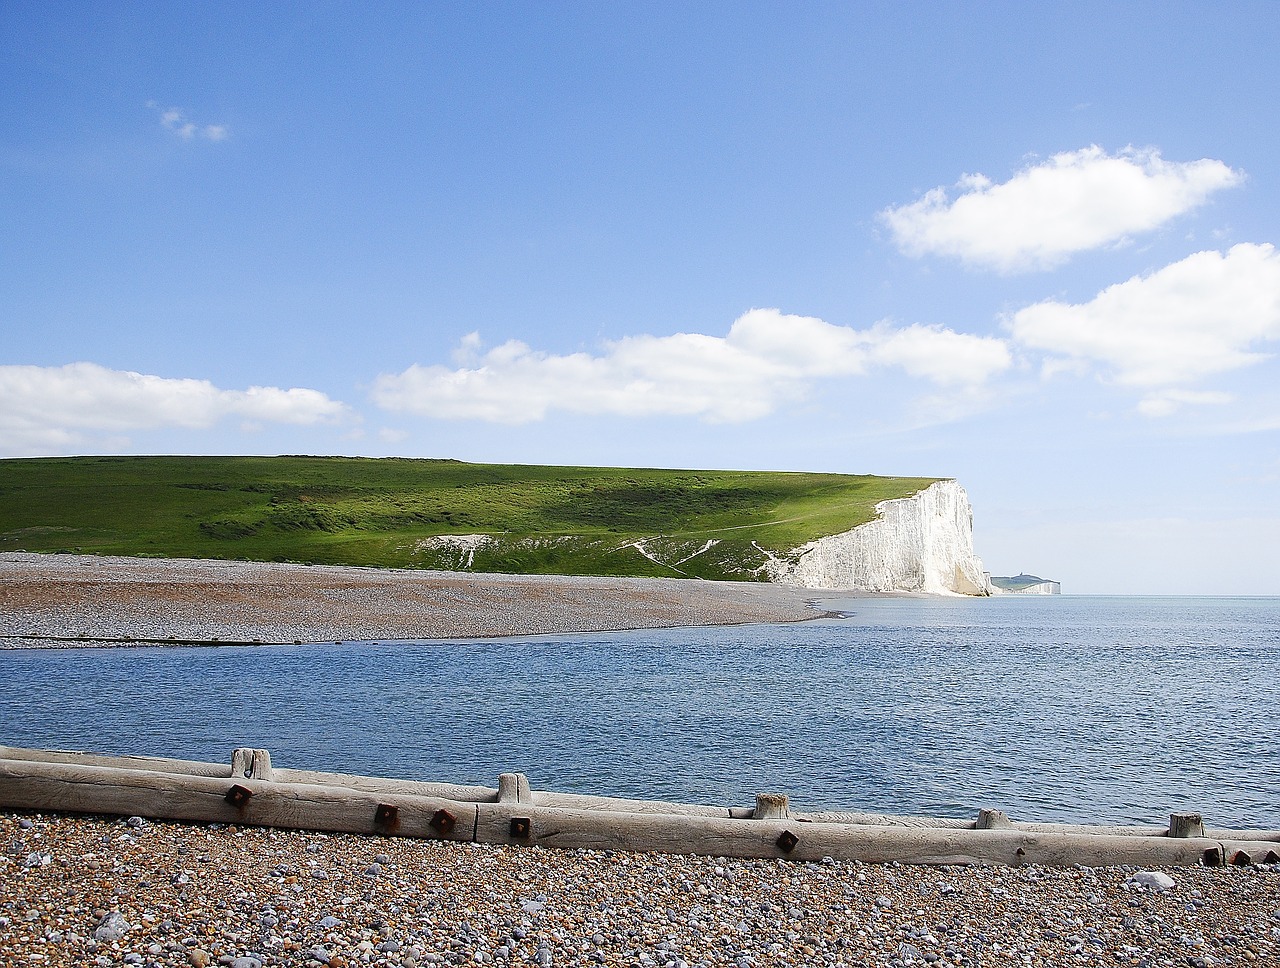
[113, 927]
[1152, 880]
[250, 905]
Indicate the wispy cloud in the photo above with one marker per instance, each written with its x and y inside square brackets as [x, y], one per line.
[768, 358]
[175, 120]
[1161, 333]
[1073, 202]
[46, 408]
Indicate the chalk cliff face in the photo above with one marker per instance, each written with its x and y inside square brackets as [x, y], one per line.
[922, 543]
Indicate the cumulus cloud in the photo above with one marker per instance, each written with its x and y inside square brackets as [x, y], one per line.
[1073, 202]
[1205, 315]
[56, 406]
[175, 120]
[768, 358]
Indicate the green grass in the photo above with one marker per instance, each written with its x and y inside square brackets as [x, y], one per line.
[339, 510]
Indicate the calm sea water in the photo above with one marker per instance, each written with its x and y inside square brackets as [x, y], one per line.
[1056, 708]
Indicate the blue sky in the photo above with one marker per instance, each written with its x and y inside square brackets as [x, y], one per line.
[1029, 247]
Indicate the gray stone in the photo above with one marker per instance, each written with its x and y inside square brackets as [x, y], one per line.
[112, 928]
[1155, 881]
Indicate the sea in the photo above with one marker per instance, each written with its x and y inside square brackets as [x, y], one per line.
[1064, 708]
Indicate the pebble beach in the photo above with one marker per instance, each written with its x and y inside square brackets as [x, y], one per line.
[69, 600]
[121, 891]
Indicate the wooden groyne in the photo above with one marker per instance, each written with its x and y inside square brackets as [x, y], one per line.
[250, 790]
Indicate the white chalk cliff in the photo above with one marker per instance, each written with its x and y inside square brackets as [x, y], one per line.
[922, 543]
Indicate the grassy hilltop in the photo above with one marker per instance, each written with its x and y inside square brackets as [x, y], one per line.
[391, 512]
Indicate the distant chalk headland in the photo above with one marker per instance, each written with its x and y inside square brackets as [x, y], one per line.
[1025, 585]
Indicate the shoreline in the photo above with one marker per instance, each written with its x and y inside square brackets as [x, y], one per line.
[82, 601]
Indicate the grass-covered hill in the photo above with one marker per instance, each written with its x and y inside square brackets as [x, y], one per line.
[394, 512]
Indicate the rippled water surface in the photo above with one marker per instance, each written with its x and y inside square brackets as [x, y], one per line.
[1054, 708]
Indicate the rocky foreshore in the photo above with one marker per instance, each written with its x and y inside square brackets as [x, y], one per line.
[120, 891]
[64, 600]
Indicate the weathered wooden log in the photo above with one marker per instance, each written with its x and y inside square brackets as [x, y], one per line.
[69, 787]
[583, 801]
[296, 806]
[389, 787]
[481, 794]
[497, 823]
[1243, 853]
[157, 763]
[1116, 830]
[880, 819]
[1266, 836]
[250, 791]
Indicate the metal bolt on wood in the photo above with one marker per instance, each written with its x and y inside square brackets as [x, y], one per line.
[443, 822]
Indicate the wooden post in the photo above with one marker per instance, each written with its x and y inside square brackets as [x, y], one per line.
[262, 764]
[514, 788]
[251, 764]
[989, 819]
[241, 762]
[771, 806]
[1186, 825]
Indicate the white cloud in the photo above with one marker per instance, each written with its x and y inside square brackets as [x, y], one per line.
[51, 408]
[1205, 315]
[1075, 201]
[1164, 402]
[768, 358]
[175, 120]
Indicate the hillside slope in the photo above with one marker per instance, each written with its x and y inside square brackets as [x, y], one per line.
[436, 514]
